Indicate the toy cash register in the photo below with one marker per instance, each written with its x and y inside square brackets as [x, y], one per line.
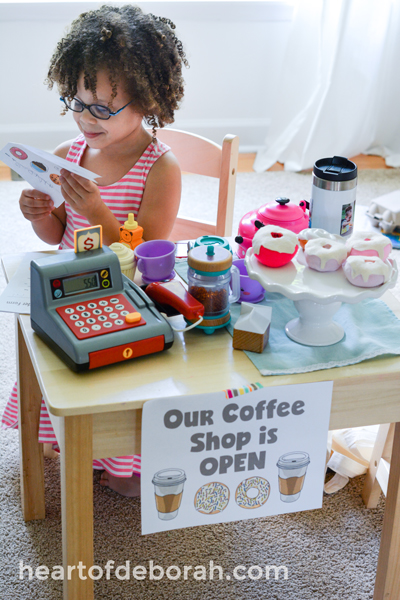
[90, 314]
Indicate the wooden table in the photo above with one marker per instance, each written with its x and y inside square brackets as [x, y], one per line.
[98, 414]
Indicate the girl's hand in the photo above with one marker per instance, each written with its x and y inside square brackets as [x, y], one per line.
[35, 205]
[82, 195]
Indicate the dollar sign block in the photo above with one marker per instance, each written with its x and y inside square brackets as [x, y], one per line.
[88, 244]
[89, 238]
[88, 241]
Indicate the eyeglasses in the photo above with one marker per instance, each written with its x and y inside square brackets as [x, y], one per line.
[97, 110]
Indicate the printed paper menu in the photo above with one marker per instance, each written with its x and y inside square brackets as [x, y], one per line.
[17, 295]
[41, 169]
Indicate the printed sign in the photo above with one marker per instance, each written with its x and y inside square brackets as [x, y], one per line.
[230, 456]
[41, 169]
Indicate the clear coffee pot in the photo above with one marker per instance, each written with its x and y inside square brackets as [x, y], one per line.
[210, 278]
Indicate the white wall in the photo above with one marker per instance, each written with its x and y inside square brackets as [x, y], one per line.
[235, 50]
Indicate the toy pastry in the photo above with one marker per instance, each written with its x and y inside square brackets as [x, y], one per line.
[314, 233]
[325, 255]
[367, 271]
[274, 246]
[369, 243]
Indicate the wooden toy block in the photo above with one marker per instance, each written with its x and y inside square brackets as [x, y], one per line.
[251, 331]
[253, 342]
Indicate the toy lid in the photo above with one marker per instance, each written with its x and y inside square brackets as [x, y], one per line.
[280, 212]
[211, 258]
[130, 223]
[208, 240]
[336, 168]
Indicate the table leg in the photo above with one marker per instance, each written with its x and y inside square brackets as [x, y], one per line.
[76, 450]
[372, 490]
[387, 585]
[31, 452]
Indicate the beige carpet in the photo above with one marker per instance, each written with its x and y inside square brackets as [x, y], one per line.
[329, 553]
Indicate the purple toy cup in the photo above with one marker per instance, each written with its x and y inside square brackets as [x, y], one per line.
[156, 260]
[250, 289]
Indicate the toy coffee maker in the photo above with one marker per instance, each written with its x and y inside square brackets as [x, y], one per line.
[210, 276]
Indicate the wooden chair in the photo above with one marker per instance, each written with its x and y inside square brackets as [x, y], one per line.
[201, 156]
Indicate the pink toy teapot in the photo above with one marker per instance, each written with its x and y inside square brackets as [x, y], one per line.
[281, 212]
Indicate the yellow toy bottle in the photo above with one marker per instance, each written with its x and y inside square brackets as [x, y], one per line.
[131, 234]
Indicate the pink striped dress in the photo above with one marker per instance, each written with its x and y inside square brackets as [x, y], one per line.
[121, 197]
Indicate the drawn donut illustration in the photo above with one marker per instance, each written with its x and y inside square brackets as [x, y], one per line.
[212, 498]
[18, 153]
[252, 492]
[38, 166]
[55, 178]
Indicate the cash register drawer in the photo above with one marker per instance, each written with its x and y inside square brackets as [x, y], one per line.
[108, 356]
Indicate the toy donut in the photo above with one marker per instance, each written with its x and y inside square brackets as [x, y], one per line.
[257, 498]
[274, 246]
[325, 255]
[369, 243]
[313, 233]
[367, 271]
[18, 153]
[212, 498]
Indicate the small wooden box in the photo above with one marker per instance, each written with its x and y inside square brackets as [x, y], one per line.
[251, 331]
[253, 342]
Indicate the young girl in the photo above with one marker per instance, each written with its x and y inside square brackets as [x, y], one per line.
[116, 68]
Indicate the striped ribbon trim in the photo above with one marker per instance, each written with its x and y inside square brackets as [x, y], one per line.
[243, 390]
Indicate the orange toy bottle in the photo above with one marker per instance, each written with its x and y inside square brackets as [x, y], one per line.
[131, 234]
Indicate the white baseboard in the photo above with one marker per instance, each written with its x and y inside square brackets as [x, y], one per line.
[249, 149]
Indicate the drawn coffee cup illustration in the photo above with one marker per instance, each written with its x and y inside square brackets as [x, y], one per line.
[168, 489]
[292, 472]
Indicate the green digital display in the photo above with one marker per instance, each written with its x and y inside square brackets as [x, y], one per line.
[81, 283]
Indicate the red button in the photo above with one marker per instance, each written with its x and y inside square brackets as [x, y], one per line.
[56, 283]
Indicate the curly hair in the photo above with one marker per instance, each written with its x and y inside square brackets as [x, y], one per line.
[139, 49]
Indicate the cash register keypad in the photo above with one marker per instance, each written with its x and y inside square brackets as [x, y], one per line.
[97, 317]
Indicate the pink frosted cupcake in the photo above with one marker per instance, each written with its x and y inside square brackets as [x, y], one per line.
[367, 271]
[325, 255]
[369, 243]
[315, 233]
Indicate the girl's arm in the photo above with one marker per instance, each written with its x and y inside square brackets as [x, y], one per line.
[161, 198]
[84, 197]
[158, 209]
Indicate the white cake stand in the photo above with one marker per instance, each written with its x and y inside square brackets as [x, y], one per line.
[316, 296]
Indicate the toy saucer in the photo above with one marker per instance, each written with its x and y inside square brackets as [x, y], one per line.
[146, 280]
[258, 299]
